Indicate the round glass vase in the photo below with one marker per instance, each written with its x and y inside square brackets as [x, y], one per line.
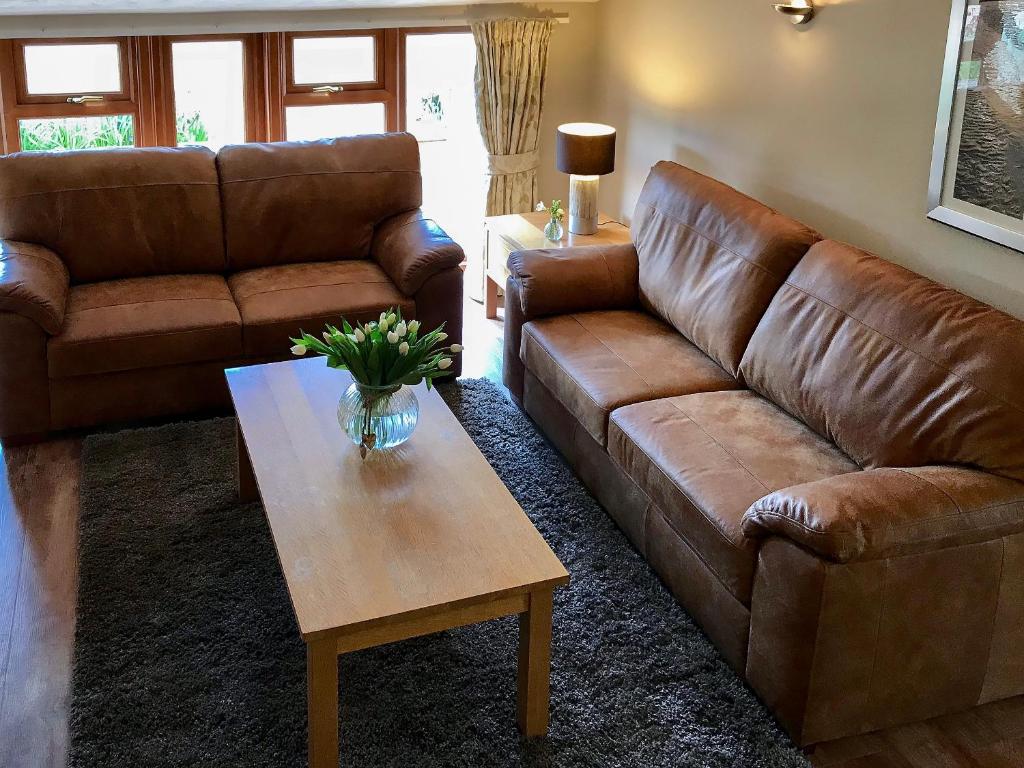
[376, 418]
[554, 230]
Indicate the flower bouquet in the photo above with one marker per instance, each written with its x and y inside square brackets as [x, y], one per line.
[386, 358]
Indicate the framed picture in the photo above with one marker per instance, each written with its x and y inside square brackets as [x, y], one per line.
[977, 179]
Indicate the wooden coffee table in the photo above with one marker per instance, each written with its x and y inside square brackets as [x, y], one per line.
[416, 541]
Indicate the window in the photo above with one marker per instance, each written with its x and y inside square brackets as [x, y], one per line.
[76, 69]
[308, 123]
[60, 133]
[203, 89]
[336, 59]
[209, 92]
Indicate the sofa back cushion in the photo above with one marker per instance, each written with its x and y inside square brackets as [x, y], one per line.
[293, 202]
[711, 258]
[897, 370]
[117, 212]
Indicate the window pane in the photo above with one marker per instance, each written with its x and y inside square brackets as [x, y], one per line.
[76, 68]
[330, 120]
[209, 92]
[57, 133]
[334, 60]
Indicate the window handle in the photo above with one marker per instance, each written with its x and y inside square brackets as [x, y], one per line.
[328, 89]
[83, 99]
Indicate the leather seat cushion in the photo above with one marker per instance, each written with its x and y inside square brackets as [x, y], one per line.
[595, 362]
[145, 322]
[705, 458]
[278, 302]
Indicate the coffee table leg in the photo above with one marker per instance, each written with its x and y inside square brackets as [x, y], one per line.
[535, 664]
[247, 489]
[322, 703]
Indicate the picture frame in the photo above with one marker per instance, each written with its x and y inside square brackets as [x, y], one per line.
[977, 173]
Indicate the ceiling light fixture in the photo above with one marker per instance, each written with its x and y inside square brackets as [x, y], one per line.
[798, 11]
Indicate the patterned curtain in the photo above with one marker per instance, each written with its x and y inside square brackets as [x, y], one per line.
[511, 65]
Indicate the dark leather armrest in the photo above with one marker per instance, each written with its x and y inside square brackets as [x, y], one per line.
[33, 283]
[888, 512]
[411, 249]
[558, 281]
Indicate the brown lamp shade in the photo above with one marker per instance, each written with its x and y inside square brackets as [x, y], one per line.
[585, 149]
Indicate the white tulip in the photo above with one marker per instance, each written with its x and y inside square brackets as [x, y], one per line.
[383, 316]
[442, 336]
[456, 348]
[383, 326]
[444, 362]
[414, 326]
[299, 349]
[360, 336]
[403, 348]
[327, 337]
[392, 337]
[392, 319]
[401, 329]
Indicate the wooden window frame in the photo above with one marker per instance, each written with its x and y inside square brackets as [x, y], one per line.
[148, 83]
[253, 91]
[126, 71]
[379, 63]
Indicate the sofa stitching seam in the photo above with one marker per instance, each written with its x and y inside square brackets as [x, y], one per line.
[905, 347]
[878, 630]
[995, 617]
[314, 173]
[614, 354]
[652, 505]
[243, 296]
[58, 342]
[672, 402]
[659, 470]
[68, 190]
[148, 301]
[711, 240]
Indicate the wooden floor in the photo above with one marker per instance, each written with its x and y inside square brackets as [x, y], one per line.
[38, 571]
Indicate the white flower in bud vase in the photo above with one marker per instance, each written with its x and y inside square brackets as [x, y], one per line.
[442, 336]
[444, 362]
[403, 348]
[360, 336]
[456, 348]
[392, 337]
[401, 329]
[540, 207]
[414, 326]
[299, 349]
[383, 326]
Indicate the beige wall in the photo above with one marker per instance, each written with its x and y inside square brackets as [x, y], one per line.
[831, 123]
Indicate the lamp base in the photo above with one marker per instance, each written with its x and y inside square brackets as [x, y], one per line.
[583, 204]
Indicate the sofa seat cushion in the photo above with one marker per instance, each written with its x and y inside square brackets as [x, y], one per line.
[145, 322]
[277, 303]
[595, 362]
[705, 458]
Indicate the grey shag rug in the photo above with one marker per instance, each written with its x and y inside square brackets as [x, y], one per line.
[187, 654]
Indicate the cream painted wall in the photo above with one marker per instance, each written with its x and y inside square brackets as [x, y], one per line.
[831, 123]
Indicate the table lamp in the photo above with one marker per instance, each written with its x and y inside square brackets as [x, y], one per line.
[586, 151]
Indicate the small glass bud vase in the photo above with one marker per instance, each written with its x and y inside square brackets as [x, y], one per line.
[554, 230]
[377, 418]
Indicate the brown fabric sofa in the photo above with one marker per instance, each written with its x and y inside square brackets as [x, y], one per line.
[131, 278]
[821, 453]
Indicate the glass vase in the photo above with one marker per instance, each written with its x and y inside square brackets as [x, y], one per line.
[376, 418]
[554, 230]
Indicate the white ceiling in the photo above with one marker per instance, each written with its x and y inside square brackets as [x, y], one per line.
[61, 7]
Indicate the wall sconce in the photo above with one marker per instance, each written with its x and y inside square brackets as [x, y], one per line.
[798, 11]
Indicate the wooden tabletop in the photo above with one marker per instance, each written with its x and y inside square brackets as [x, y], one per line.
[422, 529]
[525, 231]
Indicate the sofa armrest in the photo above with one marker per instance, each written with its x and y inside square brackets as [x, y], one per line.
[586, 278]
[889, 512]
[33, 284]
[411, 249]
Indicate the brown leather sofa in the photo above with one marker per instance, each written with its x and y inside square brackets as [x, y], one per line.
[131, 278]
[821, 453]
